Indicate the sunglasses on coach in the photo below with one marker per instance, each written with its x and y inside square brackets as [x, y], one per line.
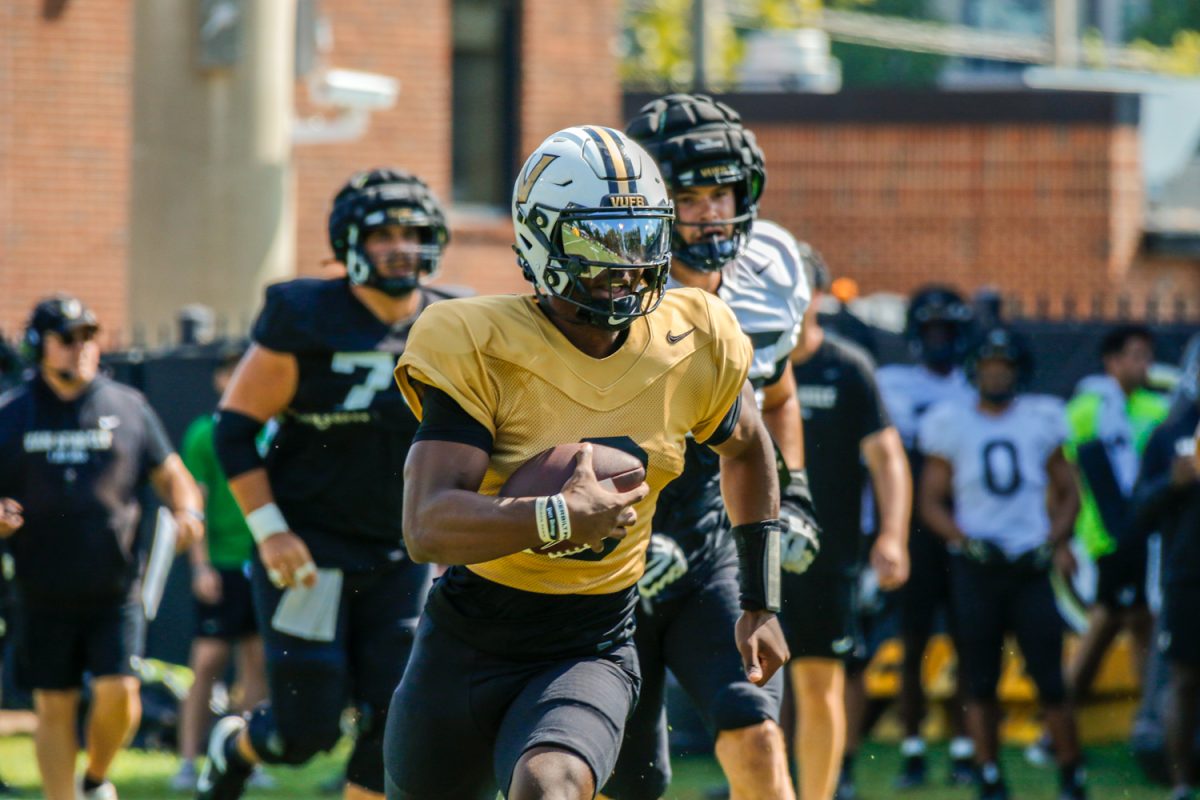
[70, 338]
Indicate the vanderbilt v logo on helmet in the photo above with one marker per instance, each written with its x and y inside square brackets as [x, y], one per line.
[377, 198]
[698, 141]
[593, 225]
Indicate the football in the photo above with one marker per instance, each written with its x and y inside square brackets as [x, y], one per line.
[548, 471]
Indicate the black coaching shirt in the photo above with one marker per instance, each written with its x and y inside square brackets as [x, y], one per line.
[77, 467]
[1173, 510]
[335, 457]
[841, 407]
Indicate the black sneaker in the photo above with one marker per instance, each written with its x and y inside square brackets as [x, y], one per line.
[223, 778]
[912, 773]
[962, 772]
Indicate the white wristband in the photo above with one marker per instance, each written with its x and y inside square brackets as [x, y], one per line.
[553, 521]
[266, 521]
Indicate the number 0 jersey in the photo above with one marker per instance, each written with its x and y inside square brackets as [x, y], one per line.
[336, 458]
[999, 464]
[500, 358]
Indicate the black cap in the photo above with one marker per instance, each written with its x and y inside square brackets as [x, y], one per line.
[61, 314]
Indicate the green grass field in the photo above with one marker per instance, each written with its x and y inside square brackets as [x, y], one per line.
[1113, 775]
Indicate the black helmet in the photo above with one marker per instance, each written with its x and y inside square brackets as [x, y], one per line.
[385, 197]
[62, 314]
[933, 305]
[1003, 343]
[698, 141]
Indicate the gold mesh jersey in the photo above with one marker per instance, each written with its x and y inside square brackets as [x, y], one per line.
[678, 372]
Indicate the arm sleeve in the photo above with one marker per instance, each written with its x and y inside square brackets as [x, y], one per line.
[157, 447]
[732, 355]
[441, 353]
[445, 420]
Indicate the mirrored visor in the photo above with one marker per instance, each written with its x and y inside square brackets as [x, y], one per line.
[636, 241]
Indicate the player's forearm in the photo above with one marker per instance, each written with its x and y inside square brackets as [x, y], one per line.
[937, 517]
[783, 423]
[892, 481]
[252, 490]
[1062, 499]
[455, 526]
[749, 481]
[174, 486]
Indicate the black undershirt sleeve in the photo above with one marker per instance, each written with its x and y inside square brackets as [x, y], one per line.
[444, 420]
[730, 421]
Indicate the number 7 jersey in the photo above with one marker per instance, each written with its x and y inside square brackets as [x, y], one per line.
[335, 456]
[999, 464]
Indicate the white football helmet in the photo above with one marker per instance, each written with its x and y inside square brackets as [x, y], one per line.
[590, 203]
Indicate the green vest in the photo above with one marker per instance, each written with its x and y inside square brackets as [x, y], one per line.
[1146, 410]
[230, 544]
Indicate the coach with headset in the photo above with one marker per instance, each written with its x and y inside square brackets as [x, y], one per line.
[75, 450]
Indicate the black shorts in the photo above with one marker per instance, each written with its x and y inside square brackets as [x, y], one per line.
[461, 718]
[57, 647]
[693, 636]
[928, 587]
[232, 617]
[994, 600]
[819, 617]
[1121, 577]
[1179, 637]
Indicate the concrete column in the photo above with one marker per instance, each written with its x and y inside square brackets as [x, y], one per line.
[213, 208]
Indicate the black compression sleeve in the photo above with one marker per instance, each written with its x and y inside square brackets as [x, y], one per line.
[444, 420]
[758, 564]
[234, 437]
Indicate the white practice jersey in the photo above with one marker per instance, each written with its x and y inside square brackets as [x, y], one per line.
[767, 289]
[999, 464]
[909, 390]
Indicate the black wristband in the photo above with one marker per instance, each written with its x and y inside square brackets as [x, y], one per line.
[758, 564]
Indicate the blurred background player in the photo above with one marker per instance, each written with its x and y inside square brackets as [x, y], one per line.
[1111, 417]
[75, 451]
[938, 329]
[845, 428]
[997, 488]
[599, 351]
[221, 585]
[325, 505]
[715, 172]
[1167, 499]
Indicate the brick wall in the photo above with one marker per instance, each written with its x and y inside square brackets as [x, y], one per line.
[65, 134]
[409, 40]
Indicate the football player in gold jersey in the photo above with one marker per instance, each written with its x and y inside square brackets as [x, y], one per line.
[523, 672]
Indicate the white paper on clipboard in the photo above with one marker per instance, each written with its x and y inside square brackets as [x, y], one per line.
[162, 556]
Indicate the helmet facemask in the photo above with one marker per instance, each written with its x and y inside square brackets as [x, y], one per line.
[611, 264]
[378, 199]
[424, 256]
[711, 253]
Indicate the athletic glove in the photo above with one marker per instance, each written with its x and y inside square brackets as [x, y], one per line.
[665, 563]
[801, 541]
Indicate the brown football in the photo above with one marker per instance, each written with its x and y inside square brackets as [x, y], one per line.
[548, 471]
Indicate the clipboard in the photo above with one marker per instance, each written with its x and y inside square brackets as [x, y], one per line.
[162, 556]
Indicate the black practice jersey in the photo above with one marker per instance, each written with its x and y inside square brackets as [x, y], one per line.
[77, 468]
[336, 455]
[841, 406]
[1175, 512]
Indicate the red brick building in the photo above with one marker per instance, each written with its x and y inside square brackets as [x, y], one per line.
[1038, 194]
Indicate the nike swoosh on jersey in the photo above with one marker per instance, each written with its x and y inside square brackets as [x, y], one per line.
[673, 339]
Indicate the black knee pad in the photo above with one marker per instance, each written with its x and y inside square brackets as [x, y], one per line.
[293, 747]
[365, 767]
[740, 705]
